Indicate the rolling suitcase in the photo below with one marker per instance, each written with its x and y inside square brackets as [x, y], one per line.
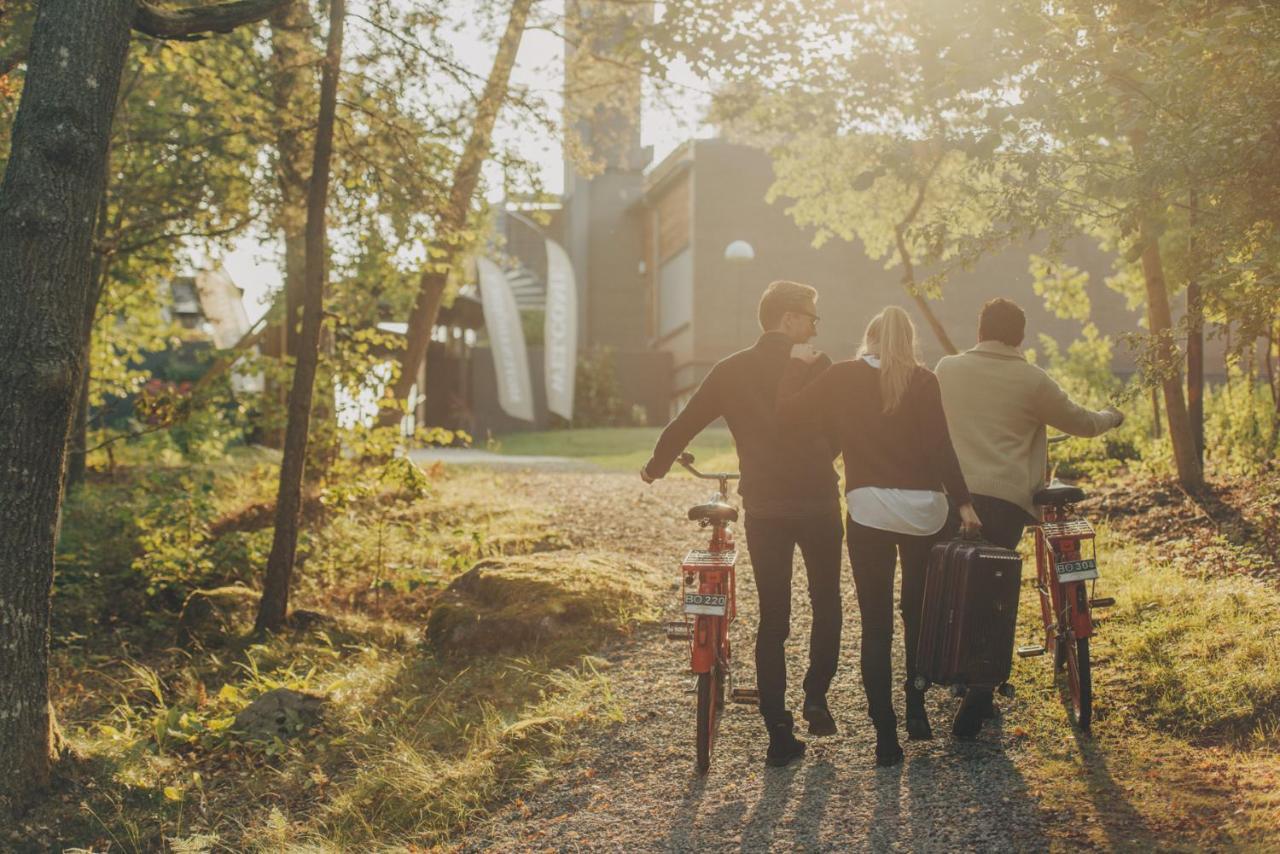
[969, 616]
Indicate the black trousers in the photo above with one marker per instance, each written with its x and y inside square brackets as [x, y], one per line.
[1002, 521]
[874, 554]
[771, 543]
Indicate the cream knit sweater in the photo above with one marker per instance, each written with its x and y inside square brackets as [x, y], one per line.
[997, 405]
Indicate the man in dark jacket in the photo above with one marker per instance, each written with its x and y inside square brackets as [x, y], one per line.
[790, 494]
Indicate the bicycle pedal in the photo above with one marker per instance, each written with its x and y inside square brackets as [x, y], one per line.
[677, 631]
[1031, 651]
[1102, 602]
[747, 696]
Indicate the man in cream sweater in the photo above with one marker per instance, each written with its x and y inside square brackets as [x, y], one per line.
[998, 405]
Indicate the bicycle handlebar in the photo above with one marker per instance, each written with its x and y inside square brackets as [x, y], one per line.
[1061, 437]
[686, 460]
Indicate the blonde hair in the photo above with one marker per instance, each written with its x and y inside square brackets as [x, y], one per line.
[783, 296]
[891, 337]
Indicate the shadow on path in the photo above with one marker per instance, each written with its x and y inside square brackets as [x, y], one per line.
[762, 822]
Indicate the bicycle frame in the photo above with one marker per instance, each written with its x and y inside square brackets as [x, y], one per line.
[710, 571]
[1060, 541]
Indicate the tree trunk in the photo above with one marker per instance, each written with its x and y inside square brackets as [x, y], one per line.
[453, 219]
[293, 90]
[909, 270]
[48, 210]
[1160, 319]
[1195, 340]
[275, 594]
[79, 441]
[49, 205]
[1272, 380]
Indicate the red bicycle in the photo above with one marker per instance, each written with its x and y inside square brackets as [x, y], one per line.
[1066, 575]
[707, 594]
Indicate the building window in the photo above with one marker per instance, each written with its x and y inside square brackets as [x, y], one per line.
[675, 292]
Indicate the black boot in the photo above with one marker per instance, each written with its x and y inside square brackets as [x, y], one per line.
[888, 750]
[918, 728]
[968, 722]
[819, 716]
[784, 747]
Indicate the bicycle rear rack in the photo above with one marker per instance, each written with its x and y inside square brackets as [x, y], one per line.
[746, 696]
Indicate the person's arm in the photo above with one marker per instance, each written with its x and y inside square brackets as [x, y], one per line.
[703, 408]
[1055, 408]
[937, 439]
[803, 399]
[830, 422]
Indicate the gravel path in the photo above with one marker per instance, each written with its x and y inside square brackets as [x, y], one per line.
[633, 786]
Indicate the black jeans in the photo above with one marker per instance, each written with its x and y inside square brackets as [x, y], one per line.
[874, 553]
[1002, 521]
[771, 543]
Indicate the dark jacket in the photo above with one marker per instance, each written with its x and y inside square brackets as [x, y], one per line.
[785, 472]
[909, 448]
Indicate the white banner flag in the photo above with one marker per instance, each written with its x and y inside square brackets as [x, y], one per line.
[506, 337]
[560, 334]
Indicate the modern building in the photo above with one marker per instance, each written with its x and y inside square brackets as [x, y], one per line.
[660, 288]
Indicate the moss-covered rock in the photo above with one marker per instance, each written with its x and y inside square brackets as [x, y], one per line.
[219, 614]
[556, 601]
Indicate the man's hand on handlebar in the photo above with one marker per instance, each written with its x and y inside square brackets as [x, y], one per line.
[1117, 413]
[644, 474]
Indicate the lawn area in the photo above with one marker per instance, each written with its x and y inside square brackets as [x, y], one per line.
[616, 448]
[1186, 709]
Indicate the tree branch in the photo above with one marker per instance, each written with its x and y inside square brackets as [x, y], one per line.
[196, 23]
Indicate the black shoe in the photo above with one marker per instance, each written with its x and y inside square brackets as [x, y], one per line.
[987, 708]
[888, 751]
[918, 728]
[968, 721]
[784, 747]
[819, 716]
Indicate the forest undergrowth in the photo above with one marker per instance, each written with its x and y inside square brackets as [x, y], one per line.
[387, 731]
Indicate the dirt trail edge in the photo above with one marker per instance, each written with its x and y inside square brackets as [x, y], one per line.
[633, 785]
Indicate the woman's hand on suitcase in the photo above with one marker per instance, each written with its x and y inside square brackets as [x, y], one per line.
[970, 524]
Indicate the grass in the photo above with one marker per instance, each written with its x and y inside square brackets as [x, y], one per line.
[418, 735]
[1184, 746]
[616, 448]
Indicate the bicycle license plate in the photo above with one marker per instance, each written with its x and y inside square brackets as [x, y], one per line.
[711, 604]
[1077, 570]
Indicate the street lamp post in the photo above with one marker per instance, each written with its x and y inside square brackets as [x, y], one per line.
[738, 253]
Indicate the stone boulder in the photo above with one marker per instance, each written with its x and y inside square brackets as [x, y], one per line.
[213, 616]
[279, 713]
[515, 604]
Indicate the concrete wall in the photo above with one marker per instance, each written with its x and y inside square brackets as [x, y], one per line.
[730, 184]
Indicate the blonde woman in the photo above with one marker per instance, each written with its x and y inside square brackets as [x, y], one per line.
[898, 460]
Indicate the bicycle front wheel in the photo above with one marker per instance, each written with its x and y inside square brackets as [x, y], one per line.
[710, 704]
[1079, 682]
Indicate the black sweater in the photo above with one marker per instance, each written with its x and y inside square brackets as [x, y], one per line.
[785, 472]
[907, 449]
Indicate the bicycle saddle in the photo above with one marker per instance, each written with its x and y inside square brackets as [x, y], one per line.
[713, 511]
[1058, 493]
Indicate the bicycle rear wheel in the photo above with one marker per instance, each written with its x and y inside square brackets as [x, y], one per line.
[710, 704]
[1079, 682]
